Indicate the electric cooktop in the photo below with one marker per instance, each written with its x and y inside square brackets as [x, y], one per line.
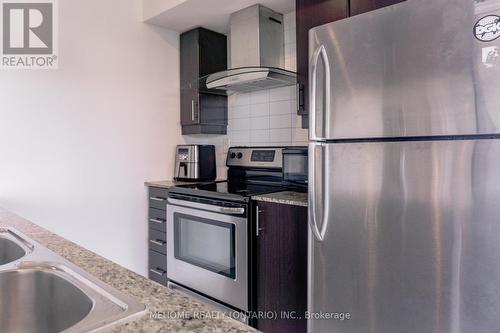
[234, 188]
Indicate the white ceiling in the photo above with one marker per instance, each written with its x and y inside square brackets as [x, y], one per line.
[183, 15]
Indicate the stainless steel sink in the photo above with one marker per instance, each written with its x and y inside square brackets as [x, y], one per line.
[54, 303]
[12, 247]
[41, 292]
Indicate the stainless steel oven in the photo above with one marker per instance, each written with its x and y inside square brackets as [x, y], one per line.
[207, 247]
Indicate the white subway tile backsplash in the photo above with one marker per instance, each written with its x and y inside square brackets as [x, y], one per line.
[293, 106]
[259, 123]
[259, 110]
[239, 136]
[289, 50]
[290, 37]
[291, 63]
[261, 96]
[238, 124]
[242, 111]
[260, 137]
[281, 121]
[281, 94]
[281, 107]
[283, 135]
[239, 100]
[288, 63]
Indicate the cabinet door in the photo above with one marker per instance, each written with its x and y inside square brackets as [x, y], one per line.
[212, 52]
[190, 111]
[363, 6]
[190, 59]
[189, 77]
[310, 14]
[281, 266]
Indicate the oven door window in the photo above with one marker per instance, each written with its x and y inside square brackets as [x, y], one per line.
[205, 243]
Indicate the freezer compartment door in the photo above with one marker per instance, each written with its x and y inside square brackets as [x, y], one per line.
[417, 68]
[409, 240]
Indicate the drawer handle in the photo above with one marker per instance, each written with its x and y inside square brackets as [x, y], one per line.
[157, 199]
[157, 272]
[155, 242]
[157, 221]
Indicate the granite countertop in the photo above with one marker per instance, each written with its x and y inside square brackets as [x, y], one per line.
[156, 297]
[286, 198]
[171, 183]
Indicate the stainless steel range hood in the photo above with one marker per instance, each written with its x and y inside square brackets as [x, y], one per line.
[257, 53]
[248, 79]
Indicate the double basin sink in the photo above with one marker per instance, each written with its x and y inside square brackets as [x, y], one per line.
[41, 292]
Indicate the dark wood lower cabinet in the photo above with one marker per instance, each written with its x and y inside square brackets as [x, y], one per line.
[281, 267]
[157, 240]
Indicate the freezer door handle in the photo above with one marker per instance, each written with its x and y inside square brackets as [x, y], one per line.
[318, 151]
[314, 113]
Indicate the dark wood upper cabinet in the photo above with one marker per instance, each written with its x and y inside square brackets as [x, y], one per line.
[203, 52]
[310, 14]
[363, 6]
[281, 266]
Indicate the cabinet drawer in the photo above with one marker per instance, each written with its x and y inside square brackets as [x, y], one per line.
[155, 276]
[157, 260]
[157, 219]
[158, 276]
[158, 241]
[158, 267]
[158, 198]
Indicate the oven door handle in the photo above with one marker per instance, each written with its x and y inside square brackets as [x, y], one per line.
[211, 208]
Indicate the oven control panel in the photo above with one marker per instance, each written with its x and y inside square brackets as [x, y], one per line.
[255, 157]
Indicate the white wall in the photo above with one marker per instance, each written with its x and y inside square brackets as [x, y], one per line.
[77, 143]
[262, 118]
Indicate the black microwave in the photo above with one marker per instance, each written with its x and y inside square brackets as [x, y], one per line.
[296, 167]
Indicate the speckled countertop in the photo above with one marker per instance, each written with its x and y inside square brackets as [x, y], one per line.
[172, 183]
[286, 198]
[156, 297]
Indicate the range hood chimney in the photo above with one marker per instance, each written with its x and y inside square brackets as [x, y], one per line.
[257, 53]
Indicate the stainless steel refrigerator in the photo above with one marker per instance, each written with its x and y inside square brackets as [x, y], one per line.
[404, 153]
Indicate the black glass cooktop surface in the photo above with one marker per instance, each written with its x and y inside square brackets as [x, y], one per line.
[234, 188]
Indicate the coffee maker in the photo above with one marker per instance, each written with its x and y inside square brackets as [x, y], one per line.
[195, 163]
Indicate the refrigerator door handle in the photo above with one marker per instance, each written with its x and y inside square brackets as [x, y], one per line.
[318, 232]
[320, 53]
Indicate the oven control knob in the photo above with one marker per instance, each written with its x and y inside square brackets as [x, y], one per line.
[240, 155]
[233, 155]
